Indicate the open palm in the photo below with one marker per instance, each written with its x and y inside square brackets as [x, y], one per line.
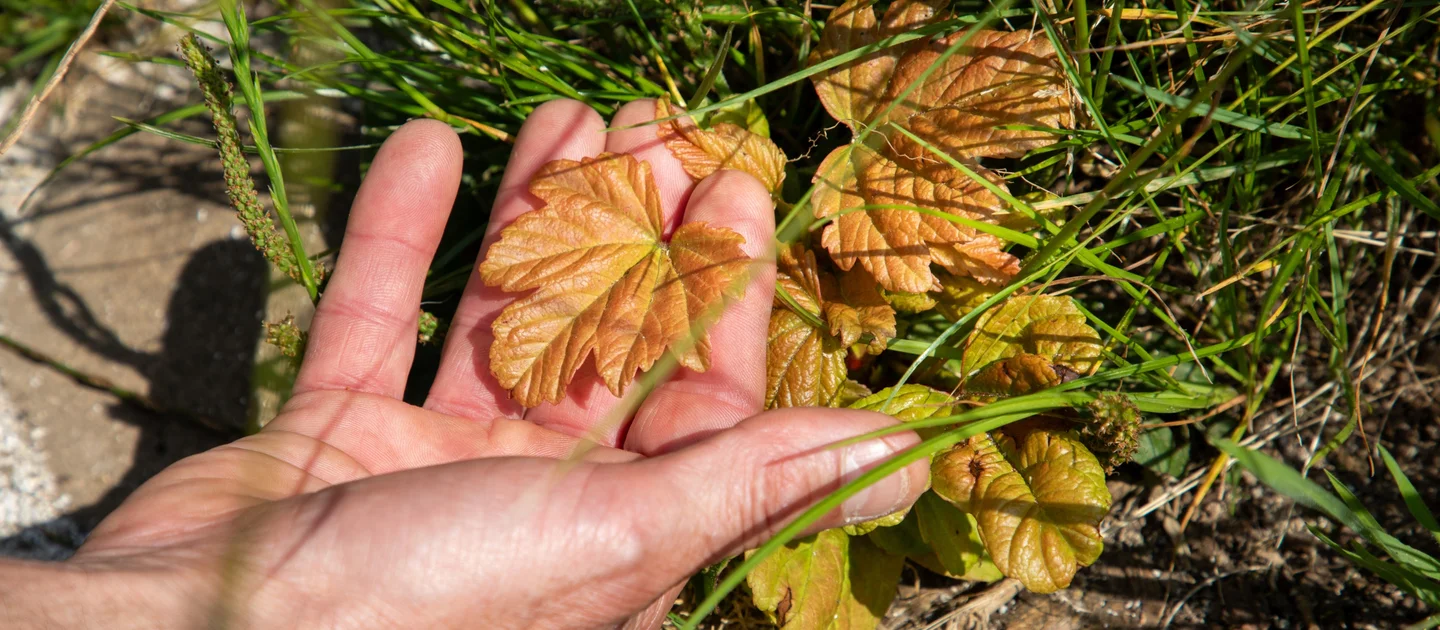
[355, 509]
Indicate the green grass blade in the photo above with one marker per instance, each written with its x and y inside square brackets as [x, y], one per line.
[1423, 589]
[1411, 557]
[1413, 502]
[1220, 114]
[1429, 622]
[1307, 74]
[712, 74]
[1290, 483]
[1407, 191]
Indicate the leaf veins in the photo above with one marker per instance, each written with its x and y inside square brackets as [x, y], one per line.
[893, 241]
[602, 280]
[1050, 326]
[816, 318]
[1038, 501]
[969, 107]
[852, 93]
[724, 146]
[829, 581]
[997, 97]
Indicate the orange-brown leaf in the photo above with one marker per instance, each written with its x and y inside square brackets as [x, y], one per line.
[724, 146]
[887, 242]
[994, 98]
[961, 249]
[805, 364]
[850, 306]
[797, 272]
[859, 309]
[708, 260]
[996, 79]
[897, 244]
[852, 92]
[602, 280]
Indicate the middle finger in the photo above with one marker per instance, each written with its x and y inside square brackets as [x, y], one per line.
[589, 409]
[560, 129]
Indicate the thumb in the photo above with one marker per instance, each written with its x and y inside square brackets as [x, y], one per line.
[734, 490]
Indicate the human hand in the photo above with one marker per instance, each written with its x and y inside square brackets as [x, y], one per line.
[354, 509]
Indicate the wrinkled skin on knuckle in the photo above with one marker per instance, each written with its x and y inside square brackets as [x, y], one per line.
[787, 484]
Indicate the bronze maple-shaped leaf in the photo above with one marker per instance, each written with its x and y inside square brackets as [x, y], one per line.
[978, 101]
[817, 317]
[893, 241]
[603, 280]
[996, 97]
[853, 92]
[724, 146]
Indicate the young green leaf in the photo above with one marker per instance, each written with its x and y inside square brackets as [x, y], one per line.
[901, 539]
[908, 403]
[1045, 325]
[829, 581]
[909, 303]
[952, 534]
[959, 295]
[1038, 501]
[889, 520]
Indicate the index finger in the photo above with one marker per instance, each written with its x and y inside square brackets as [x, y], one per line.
[363, 337]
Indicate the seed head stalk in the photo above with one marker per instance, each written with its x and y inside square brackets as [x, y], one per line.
[239, 186]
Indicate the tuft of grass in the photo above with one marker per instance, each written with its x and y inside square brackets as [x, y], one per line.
[1412, 570]
[35, 33]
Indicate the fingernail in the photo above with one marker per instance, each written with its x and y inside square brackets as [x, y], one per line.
[882, 497]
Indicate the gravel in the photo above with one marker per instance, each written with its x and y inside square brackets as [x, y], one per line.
[31, 505]
[32, 524]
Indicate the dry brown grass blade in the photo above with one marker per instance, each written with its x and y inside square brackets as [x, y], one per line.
[977, 612]
[55, 79]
